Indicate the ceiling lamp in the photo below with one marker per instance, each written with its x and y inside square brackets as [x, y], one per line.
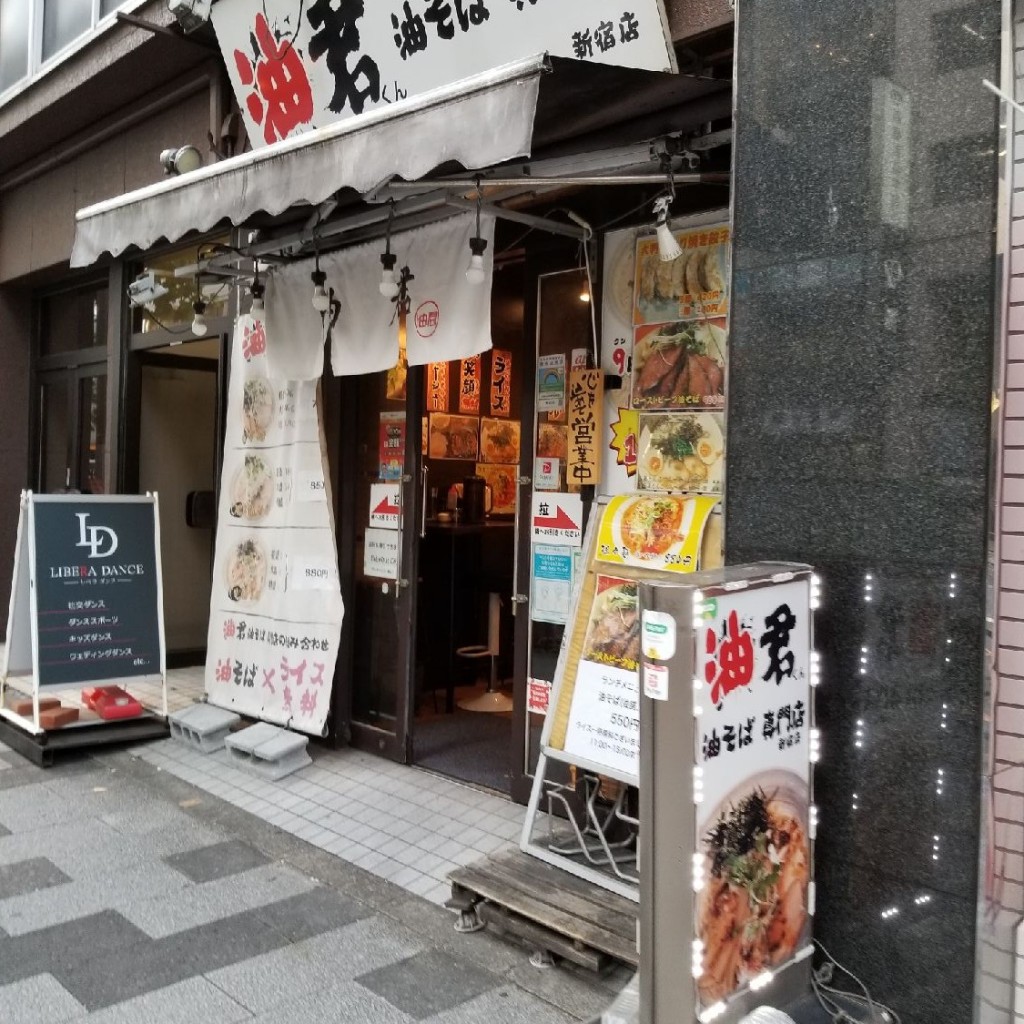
[199, 320]
[321, 300]
[476, 272]
[389, 285]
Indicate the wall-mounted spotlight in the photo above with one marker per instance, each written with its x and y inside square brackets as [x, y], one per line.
[145, 289]
[190, 14]
[668, 247]
[181, 160]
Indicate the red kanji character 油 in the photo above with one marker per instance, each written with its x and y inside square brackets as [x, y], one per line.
[254, 340]
[224, 671]
[734, 666]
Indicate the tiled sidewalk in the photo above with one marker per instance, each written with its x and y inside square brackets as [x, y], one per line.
[402, 824]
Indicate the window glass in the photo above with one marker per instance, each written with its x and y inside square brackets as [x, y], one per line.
[175, 307]
[109, 6]
[13, 42]
[63, 22]
[73, 320]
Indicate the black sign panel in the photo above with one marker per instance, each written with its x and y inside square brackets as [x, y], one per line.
[97, 597]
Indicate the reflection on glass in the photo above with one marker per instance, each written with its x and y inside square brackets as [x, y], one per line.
[174, 309]
[92, 432]
[74, 320]
[63, 22]
[13, 42]
[54, 438]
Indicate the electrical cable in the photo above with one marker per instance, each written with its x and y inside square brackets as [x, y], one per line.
[174, 330]
[824, 991]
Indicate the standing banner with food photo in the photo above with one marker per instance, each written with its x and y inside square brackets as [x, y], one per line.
[694, 286]
[680, 365]
[275, 605]
[681, 452]
[753, 749]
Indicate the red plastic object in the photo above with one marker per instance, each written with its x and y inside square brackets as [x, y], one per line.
[110, 702]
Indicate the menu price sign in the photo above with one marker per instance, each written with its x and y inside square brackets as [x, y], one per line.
[501, 382]
[753, 746]
[86, 603]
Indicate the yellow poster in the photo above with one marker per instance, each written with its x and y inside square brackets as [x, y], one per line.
[654, 531]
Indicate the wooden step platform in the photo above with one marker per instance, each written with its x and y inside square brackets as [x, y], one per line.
[550, 909]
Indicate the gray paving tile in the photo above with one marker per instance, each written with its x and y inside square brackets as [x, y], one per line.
[218, 861]
[187, 1002]
[211, 901]
[345, 1003]
[40, 999]
[28, 808]
[311, 913]
[428, 983]
[29, 876]
[507, 1005]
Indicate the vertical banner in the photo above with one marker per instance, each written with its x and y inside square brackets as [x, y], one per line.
[585, 412]
[437, 387]
[275, 604]
[501, 382]
[469, 386]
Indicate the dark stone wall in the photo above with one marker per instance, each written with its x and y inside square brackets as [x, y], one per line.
[859, 424]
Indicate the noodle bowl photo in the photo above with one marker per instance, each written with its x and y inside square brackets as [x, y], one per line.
[752, 911]
[246, 571]
[252, 489]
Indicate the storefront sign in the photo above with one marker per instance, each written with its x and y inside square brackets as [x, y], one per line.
[538, 695]
[275, 604]
[380, 554]
[625, 439]
[501, 382]
[469, 388]
[547, 474]
[604, 718]
[385, 505]
[392, 445]
[552, 583]
[86, 603]
[583, 465]
[558, 519]
[694, 286]
[754, 748]
[437, 387]
[654, 531]
[295, 67]
[551, 383]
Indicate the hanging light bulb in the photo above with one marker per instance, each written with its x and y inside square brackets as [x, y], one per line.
[388, 281]
[199, 320]
[668, 247]
[476, 273]
[321, 300]
[257, 298]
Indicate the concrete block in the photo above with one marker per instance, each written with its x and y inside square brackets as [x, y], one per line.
[202, 726]
[267, 751]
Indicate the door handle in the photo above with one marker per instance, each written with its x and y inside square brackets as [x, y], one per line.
[517, 599]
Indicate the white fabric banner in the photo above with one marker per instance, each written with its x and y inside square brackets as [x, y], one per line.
[449, 318]
[275, 606]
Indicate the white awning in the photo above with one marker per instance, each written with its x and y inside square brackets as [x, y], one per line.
[542, 103]
[480, 121]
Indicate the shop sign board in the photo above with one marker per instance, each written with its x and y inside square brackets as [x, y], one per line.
[437, 387]
[501, 382]
[727, 660]
[385, 505]
[86, 601]
[552, 583]
[275, 602]
[381, 554]
[469, 389]
[557, 519]
[295, 67]
[392, 445]
[586, 390]
[538, 694]
[547, 474]
[551, 383]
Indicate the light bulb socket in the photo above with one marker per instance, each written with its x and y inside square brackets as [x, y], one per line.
[477, 245]
[388, 261]
[319, 278]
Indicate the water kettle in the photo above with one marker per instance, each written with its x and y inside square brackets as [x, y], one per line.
[474, 499]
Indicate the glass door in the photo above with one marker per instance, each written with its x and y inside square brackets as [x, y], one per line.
[72, 450]
[385, 516]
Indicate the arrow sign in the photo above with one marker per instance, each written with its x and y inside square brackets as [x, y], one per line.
[557, 519]
[385, 506]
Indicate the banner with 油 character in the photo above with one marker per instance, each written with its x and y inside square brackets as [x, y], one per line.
[275, 603]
